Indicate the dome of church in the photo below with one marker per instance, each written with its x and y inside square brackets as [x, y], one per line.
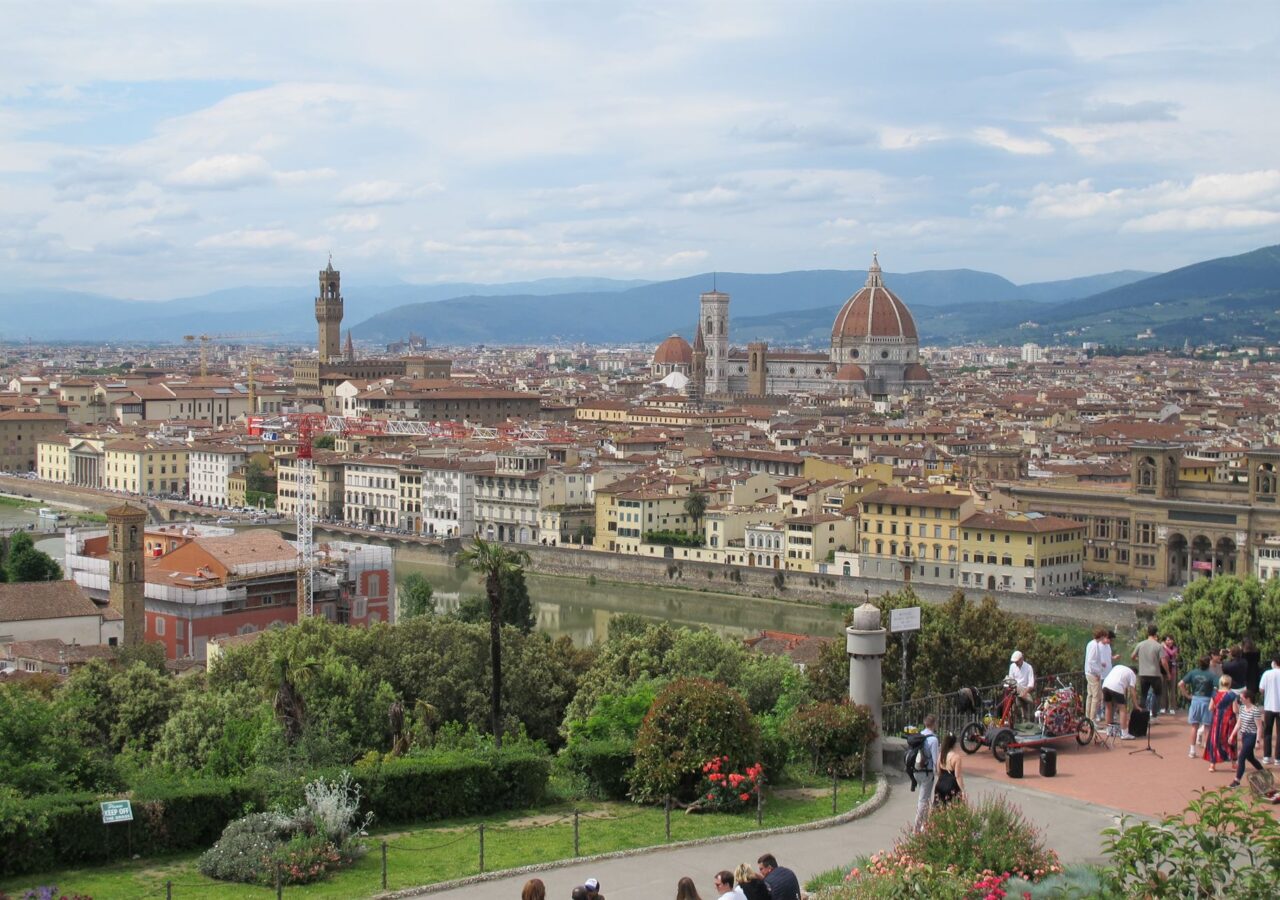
[851, 372]
[916, 372]
[674, 351]
[874, 312]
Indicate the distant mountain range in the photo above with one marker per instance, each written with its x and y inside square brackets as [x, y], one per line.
[1228, 300]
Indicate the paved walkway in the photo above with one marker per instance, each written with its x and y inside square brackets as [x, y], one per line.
[1072, 828]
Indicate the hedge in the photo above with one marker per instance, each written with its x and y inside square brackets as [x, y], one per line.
[60, 830]
[605, 764]
[54, 831]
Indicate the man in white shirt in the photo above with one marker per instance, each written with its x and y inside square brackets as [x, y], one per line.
[1097, 660]
[1020, 671]
[1120, 688]
[1270, 687]
[724, 884]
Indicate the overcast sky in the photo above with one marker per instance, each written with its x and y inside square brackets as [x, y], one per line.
[158, 150]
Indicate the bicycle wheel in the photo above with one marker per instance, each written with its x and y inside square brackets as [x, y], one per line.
[971, 737]
[1085, 731]
[1000, 744]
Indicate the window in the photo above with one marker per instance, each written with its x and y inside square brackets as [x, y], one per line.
[159, 626]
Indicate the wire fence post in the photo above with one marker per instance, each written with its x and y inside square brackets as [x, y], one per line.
[759, 802]
[864, 771]
[279, 881]
[384, 865]
[482, 847]
[168, 890]
[667, 810]
[835, 789]
[575, 834]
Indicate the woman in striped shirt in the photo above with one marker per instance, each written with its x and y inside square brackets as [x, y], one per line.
[1247, 729]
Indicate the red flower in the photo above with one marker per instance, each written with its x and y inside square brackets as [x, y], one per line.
[744, 797]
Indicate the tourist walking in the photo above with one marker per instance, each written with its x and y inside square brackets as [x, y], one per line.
[926, 770]
[950, 781]
[1270, 689]
[1197, 686]
[687, 890]
[783, 883]
[1217, 746]
[1247, 730]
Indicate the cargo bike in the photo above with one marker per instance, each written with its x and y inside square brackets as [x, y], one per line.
[1059, 716]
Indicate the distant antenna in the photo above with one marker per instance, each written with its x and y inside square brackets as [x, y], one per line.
[713, 282]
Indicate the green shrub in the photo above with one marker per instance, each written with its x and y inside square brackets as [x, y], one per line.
[246, 847]
[692, 720]
[1225, 844]
[447, 784]
[991, 835]
[831, 735]
[604, 765]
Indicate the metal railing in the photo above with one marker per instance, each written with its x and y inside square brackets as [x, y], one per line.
[951, 711]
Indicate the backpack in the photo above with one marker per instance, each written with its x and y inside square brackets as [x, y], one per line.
[915, 753]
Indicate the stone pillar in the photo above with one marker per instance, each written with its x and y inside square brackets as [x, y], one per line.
[865, 644]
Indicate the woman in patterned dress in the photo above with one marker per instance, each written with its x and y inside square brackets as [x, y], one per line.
[1219, 747]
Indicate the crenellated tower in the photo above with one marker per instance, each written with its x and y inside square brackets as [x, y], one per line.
[329, 314]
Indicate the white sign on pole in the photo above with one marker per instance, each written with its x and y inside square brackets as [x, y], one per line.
[904, 619]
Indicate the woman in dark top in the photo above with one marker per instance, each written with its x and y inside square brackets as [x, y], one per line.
[1237, 668]
[750, 882]
[1253, 663]
[950, 783]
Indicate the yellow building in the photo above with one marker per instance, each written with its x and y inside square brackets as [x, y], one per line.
[811, 538]
[913, 535]
[145, 467]
[625, 513]
[1025, 553]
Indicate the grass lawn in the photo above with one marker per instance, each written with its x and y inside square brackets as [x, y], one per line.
[451, 849]
[18, 502]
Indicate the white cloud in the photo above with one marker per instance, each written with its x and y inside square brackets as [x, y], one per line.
[355, 222]
[373, 193]
[259, 239]
[1205, 218]
[224, 172]
[998, 137]
[685, 258]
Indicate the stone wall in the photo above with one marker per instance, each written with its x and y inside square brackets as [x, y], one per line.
[801, 586]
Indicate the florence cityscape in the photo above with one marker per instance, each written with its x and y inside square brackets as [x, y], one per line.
[561, 449]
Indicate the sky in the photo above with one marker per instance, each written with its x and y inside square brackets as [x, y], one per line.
[154, 150]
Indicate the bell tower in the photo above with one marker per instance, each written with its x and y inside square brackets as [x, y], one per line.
[715, 330]
[329, 314]
[127, 581]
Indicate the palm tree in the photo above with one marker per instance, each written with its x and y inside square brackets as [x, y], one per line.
[288, 704]
[492, 560]
[695, 505]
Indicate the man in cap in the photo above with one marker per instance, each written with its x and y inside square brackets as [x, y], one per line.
[1020, 671]
[593, 889]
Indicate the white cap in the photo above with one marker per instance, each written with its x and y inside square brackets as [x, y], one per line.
[1017, 656]
[592, 885]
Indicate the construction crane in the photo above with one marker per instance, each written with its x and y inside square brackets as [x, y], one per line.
[204, 346]
[309, 425]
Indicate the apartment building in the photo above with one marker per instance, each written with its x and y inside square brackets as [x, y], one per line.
[371, 492]
[510, 496]
[145, 467]
[814, 537]
[629, 509]
[209, 469]
[218, 404]
[330, 496]
[912, 535]
[437, 496]
[1023, 553]
[20, 433]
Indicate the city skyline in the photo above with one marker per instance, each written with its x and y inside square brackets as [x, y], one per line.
[154, 151]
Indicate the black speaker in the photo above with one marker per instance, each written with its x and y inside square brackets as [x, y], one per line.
[1013, 764]
[1139, 721]
[1048, 762]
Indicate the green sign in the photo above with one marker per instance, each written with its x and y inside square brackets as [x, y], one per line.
[116, 811]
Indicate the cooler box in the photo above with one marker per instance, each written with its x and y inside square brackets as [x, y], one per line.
[1139, 721]
[1048, 762]
[1013, 764]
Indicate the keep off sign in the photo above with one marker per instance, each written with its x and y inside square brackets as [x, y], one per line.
[116, 811]
[904, 619]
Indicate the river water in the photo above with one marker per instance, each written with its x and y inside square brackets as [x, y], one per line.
[582, 610]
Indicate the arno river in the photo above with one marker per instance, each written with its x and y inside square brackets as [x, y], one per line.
[581, 610]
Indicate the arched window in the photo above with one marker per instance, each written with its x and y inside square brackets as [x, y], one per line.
[1146, 472]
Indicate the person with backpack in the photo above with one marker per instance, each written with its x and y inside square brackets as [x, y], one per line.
[922, 768]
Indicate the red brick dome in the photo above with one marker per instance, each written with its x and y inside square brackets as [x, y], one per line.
[851, 372]
[674, 351]
[916, 372]
[874, 312]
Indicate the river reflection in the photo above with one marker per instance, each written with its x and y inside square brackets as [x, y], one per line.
[581, 610]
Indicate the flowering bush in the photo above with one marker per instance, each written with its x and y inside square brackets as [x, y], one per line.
[46, 892]
[729, 791]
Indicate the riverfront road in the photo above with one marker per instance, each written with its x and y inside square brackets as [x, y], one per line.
[1072, 828]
